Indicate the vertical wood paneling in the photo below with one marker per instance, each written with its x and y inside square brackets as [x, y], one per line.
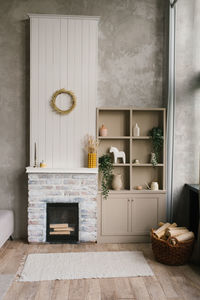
[63, 55]
[41, 87]
[49, 91]
[92, 76]
[56, 86]
[77, 66]
[64, 84]
[33, 87]
[84, 81]
[71, 59]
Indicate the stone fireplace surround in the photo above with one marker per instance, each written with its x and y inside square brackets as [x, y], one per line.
[62, 186]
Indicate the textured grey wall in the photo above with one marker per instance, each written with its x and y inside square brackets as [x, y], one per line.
[187, 139]
[131, 72]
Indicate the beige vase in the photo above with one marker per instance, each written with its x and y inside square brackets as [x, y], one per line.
[117, 182]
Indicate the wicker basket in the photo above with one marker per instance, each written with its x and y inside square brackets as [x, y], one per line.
[168, 254]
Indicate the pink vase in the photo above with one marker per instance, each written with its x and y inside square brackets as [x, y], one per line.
[103, 131]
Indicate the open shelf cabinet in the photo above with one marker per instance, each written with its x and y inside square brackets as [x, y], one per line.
[129, 214]
[120, 123]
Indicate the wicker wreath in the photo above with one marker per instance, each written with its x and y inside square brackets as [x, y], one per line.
[56, 108]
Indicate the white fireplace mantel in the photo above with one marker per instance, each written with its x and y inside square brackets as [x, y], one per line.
[62, 170]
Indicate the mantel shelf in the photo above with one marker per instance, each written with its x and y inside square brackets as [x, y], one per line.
[62, 170]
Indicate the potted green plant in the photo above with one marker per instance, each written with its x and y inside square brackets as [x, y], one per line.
[157, 142]
[105, 168]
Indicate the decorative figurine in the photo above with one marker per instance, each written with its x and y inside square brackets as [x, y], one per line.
[118, 154]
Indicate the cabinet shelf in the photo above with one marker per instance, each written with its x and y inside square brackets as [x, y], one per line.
[120, 165]
[141, 137]
[134, 191]
[147, 165]
[114, 137]
[127, 215]
[121, 191]
[120, 123]
[147, 191]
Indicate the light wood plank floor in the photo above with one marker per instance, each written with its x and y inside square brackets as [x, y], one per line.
[178, 283]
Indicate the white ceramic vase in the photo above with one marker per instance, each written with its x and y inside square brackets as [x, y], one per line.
[154, 186]
[117, 182]
[136, 130]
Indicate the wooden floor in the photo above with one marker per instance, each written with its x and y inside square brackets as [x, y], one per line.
[168, 283]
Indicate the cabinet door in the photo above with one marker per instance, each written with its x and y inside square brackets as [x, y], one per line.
[144, 214]
[115, 215]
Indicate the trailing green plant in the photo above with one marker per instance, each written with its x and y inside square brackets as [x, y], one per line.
[105, 167]
[157, 142]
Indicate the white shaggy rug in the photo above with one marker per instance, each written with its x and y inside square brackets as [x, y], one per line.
[5, 282]
[78, 265]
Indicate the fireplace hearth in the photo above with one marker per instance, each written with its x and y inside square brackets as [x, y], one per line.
[62, 223]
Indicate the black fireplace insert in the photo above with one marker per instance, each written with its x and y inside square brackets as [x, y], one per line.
[62, 223]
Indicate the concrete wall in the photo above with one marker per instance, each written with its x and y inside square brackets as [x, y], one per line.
[187, 138]
[132, 62]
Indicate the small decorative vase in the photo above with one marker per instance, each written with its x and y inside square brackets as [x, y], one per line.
[136, 161]
[153, 159]
[92, 160]
[103, 131]
[43, 164]
[117, 182]
[136, 130]
[154, 186]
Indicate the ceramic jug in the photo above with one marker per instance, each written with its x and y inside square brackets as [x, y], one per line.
[154, 186]
[117, 182]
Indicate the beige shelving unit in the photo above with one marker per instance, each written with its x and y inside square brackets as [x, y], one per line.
[120, 123]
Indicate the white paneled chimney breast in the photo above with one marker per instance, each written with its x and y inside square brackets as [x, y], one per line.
[63, 56]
